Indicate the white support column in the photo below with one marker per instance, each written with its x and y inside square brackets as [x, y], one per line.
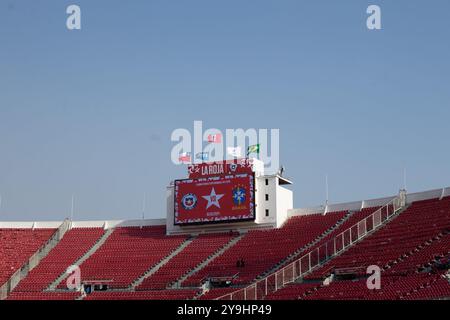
[309, 261]
[300, 267]
[276, 281]
[357, 230]
[293, 272]
[266, 285]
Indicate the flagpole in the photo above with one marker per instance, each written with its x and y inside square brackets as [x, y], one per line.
[404, 178]
[326, 190]
[71, 208]
[143, 208]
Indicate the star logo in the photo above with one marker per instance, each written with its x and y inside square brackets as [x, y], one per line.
[213, 199]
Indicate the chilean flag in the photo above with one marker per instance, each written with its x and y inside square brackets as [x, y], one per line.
[215, 138]
[185, 157]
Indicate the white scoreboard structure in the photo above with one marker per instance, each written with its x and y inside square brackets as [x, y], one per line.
[227, 196]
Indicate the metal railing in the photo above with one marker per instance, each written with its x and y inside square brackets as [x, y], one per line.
[320, 255]
[34, 260]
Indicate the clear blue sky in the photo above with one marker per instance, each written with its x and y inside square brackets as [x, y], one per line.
[90, 112]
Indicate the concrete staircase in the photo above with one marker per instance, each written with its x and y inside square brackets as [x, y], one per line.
[53, 286]
[136, 283]
[231, 243]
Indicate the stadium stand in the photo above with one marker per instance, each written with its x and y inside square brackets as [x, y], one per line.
[140, 263]
[128, 253]
[262, 249]
[144, 295]
[405, 248]
[420, 223]
[56, 296]
[74, 244]
[17, 245]
[196, 252]
[293, 292]
[353, 218]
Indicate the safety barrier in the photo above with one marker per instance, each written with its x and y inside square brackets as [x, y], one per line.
[320, 255]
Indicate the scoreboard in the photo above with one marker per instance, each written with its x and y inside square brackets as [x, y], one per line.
[226, 198]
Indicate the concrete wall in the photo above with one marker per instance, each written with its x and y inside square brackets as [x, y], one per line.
[418, 196]
[376, 202]
[446, 192]
[306, 211]
[349, 206]
[30, 225]
[284, 203]
[261, 204]
[108, 224]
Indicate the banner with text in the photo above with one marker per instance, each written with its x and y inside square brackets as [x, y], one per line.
[215, 199]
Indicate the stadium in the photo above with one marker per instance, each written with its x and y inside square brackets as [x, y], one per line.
[258, 154]
[254, 246]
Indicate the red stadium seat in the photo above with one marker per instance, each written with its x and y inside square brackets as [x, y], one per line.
[410, 250]
[17, 246]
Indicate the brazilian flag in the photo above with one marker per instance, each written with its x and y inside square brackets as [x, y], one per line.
[253, 149]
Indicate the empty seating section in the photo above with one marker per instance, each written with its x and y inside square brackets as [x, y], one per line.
[435, 289]
[439, 246]
[354, 218]
[350, 222]
[392, 288]
[414, 286]
[422, 221]
[30, 295]
[128, 253]
[17, 246]
[263, 249]
[196, 252]
[406, 249]
[292, 292]
[412, 251]
[74, 244]
[143, 295]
